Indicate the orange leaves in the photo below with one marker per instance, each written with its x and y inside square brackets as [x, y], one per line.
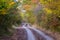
[34, 1]
[27, 7]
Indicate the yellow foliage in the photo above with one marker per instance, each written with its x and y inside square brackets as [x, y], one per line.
[3, 11]
[27, 7]
[47, 10]
[22, 15]
[11, 3]
[27, 14]
[43, 2]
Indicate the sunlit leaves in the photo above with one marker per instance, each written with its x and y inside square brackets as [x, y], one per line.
[22, 15]
[11, 3]
[27, 7]
[51, 5]
[48, 11]
[5, 5]
[45, 1]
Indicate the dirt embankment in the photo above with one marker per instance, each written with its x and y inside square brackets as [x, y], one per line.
[19, 34]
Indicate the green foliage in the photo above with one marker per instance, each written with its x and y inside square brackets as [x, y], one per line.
[8, 16]
[26, 1]
[6, 22]
[30, 17]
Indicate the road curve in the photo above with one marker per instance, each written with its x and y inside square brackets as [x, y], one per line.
[27, 33]
[42, 34]
[30, 35]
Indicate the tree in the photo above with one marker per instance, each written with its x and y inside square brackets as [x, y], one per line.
[8, 16]
[52, 11]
